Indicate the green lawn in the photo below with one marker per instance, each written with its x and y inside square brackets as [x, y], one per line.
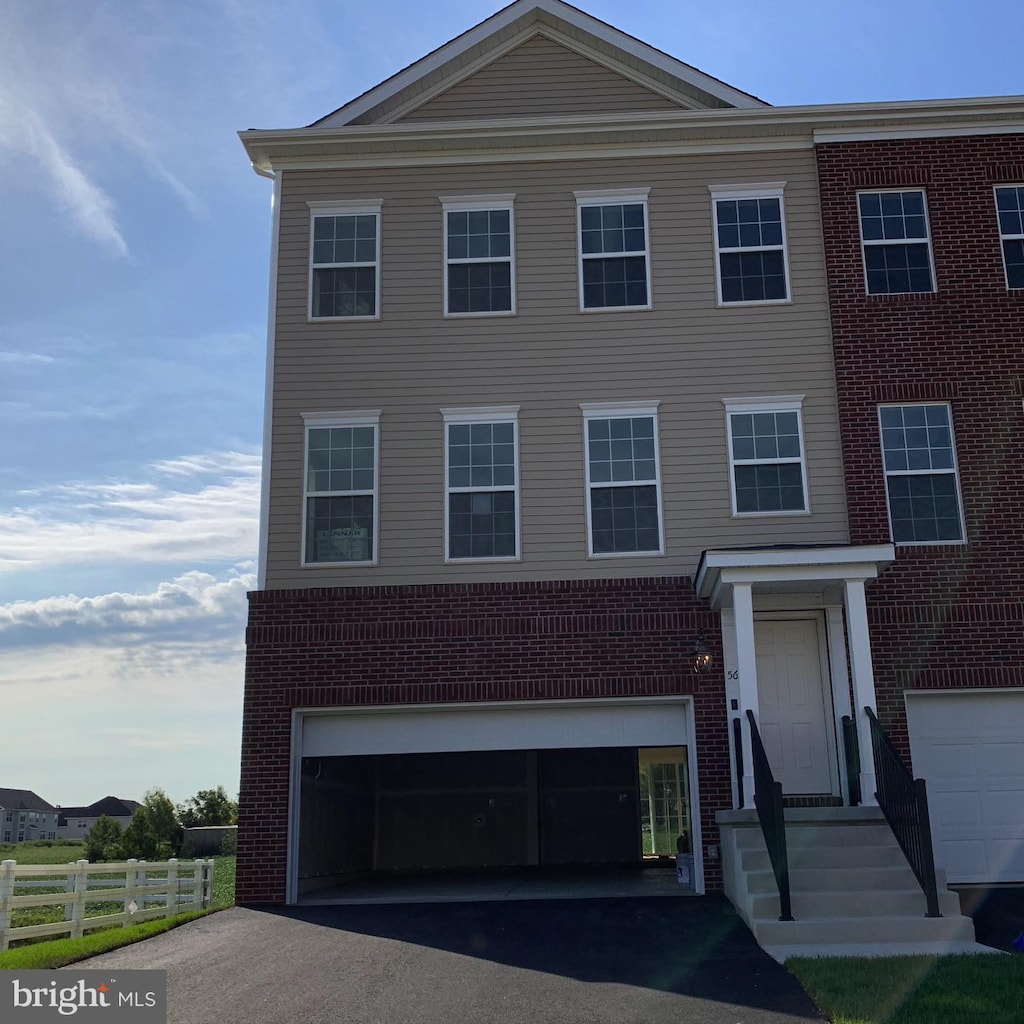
[60, 852]
[973, 989]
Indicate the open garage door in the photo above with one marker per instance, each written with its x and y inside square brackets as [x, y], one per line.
[471, 787]
[969, 747]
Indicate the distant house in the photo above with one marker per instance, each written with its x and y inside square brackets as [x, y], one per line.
[24, 816]
[75, 822]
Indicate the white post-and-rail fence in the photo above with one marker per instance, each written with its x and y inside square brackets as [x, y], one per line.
[172, 886]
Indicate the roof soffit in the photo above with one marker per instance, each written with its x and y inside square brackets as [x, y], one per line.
[472, 51]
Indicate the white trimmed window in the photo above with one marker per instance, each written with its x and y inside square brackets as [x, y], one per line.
[1010, 211]
[896, 242]
[481, 483]
[479, 255]
[614, 265]
[920, 474]
[345, 261]
[766, 455]
[340, 515]
[750, 243]
[623, 478]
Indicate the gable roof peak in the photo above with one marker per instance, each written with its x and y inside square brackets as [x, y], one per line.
[514, 22]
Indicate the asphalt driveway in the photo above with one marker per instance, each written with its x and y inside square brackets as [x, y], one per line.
[620, 961]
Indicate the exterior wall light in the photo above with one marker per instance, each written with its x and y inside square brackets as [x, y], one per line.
[701, 655]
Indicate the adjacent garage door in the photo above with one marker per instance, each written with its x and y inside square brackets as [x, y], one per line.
[472, 727]
[970, 749]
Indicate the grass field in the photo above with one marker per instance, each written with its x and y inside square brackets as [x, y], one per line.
[976, 989]
[59, 852]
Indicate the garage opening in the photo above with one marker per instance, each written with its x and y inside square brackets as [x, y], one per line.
[394, 814]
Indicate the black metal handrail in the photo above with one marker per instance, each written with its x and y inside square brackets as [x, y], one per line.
[737, 743]
[904, 802]
[851, 748]
[768, 801]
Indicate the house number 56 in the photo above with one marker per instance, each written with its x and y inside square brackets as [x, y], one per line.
[733, 673]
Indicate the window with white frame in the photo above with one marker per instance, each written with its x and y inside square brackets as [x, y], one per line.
[623, 478]
[341, 489]
[613, 252]
[896, 242]
[766, 455]
[920, 474]
[482, 481]
[7, 836]
[345, 261]
[479, 255]
[750, 243]
[1010, 211]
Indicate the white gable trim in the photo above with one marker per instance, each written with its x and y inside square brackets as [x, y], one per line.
[584, 22]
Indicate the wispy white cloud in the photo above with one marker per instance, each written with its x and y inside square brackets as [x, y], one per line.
[193, 510]
[26, 358]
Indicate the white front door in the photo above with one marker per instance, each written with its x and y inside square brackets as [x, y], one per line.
[793, 720]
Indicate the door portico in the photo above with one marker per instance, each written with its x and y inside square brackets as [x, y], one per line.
[752, 586]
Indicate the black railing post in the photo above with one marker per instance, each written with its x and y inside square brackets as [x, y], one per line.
[851, 749]
[771, 815]
[904, 802]
[737, 744]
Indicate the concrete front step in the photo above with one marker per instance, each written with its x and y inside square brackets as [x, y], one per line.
[854, 903]
[858, 879]
[833, 856]
[863, 929]
[802, 836]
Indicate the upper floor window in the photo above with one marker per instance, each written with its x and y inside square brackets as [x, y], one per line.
[479, 255]
[897, 248]
[613, 253]
[920, 474]
[766, 455]
[750, 243]
[341, 489]
[623, 478]
[1010, 210]
[345, 261]
[482, 483]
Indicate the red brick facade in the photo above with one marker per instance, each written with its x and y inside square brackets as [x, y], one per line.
[945, 616]
[463, 642]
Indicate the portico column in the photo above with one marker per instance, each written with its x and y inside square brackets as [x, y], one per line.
[746, 665]
[859, 639]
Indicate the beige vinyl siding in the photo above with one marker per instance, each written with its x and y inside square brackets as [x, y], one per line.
[543, 79]
[686, 353]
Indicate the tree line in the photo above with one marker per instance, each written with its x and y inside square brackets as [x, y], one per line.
[157, 829]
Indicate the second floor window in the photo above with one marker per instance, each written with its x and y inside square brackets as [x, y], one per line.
[750, 244]
[479, 246]
[341, 490]
[766, 456]
[482, 483]
[920, 474]
[623, 479]
[614, 267]
[1010, 211]
[897, 247]
[345, 263]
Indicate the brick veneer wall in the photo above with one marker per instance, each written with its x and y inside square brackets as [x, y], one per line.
[463, 642]
[946, 616]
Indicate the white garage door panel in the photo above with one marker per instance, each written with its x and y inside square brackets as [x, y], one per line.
[969, 748]
[504, 728]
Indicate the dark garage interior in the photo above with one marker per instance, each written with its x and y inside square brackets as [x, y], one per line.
[388, 814]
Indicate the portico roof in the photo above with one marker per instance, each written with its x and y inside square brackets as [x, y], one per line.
[787, 569]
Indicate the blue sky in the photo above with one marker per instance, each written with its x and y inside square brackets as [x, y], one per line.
[133, 260]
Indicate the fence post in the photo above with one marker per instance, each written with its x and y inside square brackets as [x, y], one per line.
[171, 900]
[131, 875]
[208, 888]
[78, 910]
[6, 892]
[198, 880]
